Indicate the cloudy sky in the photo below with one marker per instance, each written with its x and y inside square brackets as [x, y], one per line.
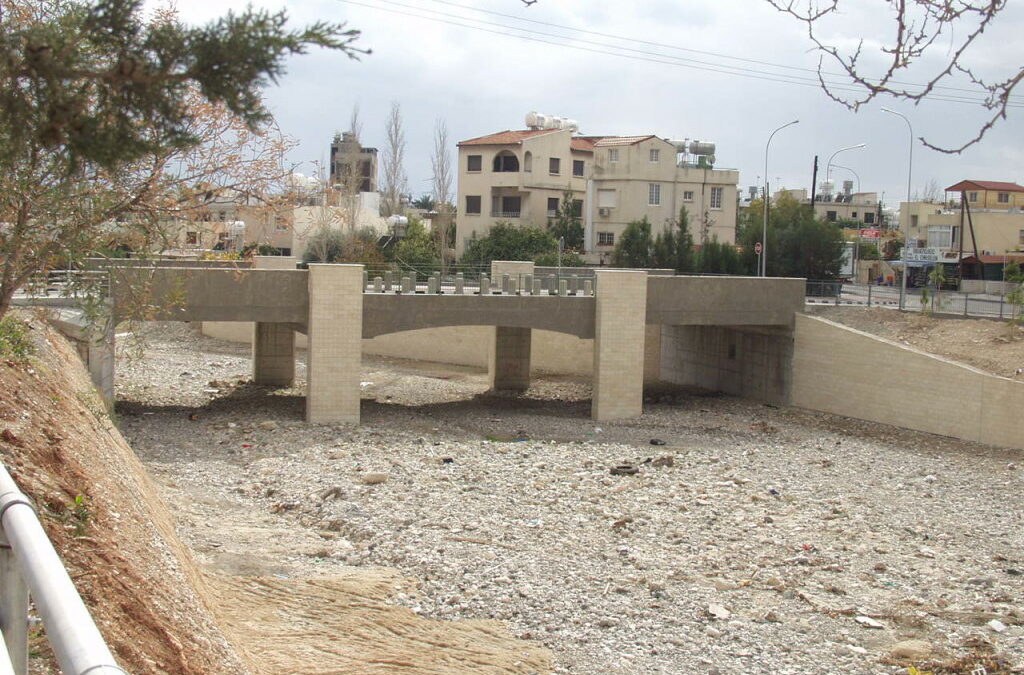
[726, 71]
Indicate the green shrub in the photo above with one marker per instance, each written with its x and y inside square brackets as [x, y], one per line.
[14, 340]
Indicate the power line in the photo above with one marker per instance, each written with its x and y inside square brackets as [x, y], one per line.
[630, 53]
[691, 50]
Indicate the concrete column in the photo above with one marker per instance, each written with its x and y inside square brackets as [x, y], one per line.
[619, 330]
[273, 354]
[509, 360]
[100, 357]
[335, 343]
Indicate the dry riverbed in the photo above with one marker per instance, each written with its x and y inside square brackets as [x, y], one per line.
[712, 535]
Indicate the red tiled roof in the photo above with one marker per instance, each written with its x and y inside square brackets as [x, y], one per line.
[507, 137]
[985, 185]
[582, 143]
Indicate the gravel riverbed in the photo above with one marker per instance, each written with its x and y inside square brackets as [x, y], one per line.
[713, 535]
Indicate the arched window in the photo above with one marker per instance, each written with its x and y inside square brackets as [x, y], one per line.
[506, 161]
[528, 161]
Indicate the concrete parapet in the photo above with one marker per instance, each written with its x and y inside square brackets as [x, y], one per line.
[274, 262]
[335, 343]
[273, 354]
[619, 332]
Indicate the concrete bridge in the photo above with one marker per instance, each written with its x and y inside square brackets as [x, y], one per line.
[732, 334]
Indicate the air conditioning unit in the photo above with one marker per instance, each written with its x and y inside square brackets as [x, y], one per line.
[604, 211]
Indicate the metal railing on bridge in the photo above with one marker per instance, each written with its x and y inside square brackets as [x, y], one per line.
[29, 566]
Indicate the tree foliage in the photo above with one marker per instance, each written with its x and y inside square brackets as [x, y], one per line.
[109, 123]
[508, 242]
[635, 247]
[418, 249]
[799, 245]
[673, 247]
[717, 257]
[328, 245]
[566, 226]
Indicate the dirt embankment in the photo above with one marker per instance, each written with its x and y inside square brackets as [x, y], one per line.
[104, 517]
[993, 346]
[164, 612]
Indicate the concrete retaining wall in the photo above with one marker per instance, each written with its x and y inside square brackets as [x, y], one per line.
[988, 287]
[840, 370]
[554, 353]
[749, 362]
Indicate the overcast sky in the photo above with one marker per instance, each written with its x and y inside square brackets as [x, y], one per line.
[483, 79]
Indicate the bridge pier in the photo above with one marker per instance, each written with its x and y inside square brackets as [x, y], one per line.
[619, 336]
[273, 354]
[509, 362]
[335, 343]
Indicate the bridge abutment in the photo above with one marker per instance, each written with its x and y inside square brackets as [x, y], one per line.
[619, 332]
[335, 343]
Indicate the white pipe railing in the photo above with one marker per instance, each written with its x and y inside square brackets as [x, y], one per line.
[29, 564]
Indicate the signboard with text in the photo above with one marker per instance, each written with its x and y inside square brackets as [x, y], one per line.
[922, 255]
[870, 233]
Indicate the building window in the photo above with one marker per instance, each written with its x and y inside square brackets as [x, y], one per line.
[577, 167]
[552, 206]
[554, 166]
[577, 208]
[474, 163]
[830, 216]
[869, 218]
[606, 239]
[654, 154]
[687, 195]
[506, 162]
[972, 196]
[473, 204]
[654, 194]
[607, 199]
[913, 222]
[613, 154]
[192, 238]
[280, 224]
[528, 162]
[854, 215]
[716, 197]
[1021, 240]
[940, 236]
[1003, 197]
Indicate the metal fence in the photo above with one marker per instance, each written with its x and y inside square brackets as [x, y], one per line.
[915, 299]
[30, 565]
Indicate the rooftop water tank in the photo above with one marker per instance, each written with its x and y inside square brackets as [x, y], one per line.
[702, 148]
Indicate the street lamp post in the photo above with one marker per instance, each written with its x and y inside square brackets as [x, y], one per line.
[906, 228]
[828, 167]
[846, 168]
[763, 262]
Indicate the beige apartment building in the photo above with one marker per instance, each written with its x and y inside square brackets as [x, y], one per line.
[996, 210]
[522, 177]
[862, 207]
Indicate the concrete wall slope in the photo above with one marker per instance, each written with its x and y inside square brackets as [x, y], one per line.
[841, 370]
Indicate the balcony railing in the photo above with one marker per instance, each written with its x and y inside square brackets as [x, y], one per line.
[505, 214]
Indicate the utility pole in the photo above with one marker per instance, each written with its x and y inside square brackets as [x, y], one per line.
[814, 183]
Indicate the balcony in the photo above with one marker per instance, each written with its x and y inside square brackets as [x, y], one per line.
[505, 214]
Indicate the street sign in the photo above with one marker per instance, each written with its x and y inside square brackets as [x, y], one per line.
[921, 255]
[757, 248]
[870, 233]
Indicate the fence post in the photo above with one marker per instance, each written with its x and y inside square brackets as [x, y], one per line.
[13, 608]
[966, 297]
[869, 296]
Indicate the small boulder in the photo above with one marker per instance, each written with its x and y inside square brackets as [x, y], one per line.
[913, 650]
[374, 478]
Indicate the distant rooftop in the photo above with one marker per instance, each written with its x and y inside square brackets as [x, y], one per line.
[508, 136]
[609, 141]
[985, 185]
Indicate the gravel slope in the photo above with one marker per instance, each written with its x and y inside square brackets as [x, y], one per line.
[755, 540]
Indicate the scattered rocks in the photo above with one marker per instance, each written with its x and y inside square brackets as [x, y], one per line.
[868, 622]
[624, 470]
[719, 612]
[268, 425]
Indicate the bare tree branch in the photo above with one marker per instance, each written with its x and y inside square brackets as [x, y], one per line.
[918, 25]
